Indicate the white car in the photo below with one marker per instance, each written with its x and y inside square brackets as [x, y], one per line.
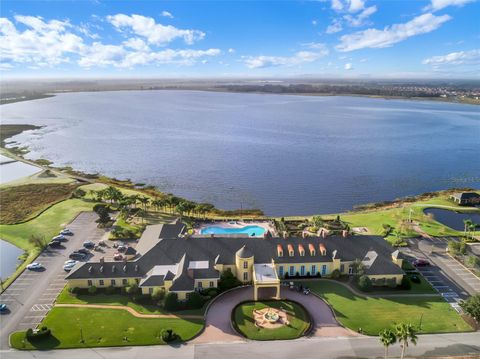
[70, 262]
[34, 266]
[66, 232]
[68, 267]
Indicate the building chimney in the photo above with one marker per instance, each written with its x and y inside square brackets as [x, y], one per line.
[190, 273]
[102, 260]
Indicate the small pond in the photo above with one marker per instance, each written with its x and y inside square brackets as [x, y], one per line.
[453, 219]
[8, 258]
[14, 170]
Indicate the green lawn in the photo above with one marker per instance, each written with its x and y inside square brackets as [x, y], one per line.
[65, 297]
[103, 328]
[375, 314]
[299, 321]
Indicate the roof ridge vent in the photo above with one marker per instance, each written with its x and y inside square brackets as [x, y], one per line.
[136, 267]
[101, 269]
[125, 268]
[113, 269]
[90, 269]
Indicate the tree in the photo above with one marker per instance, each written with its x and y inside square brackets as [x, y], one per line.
[456, 248]
[473, 261]
[471, 306]
[144, 201]
[171, 302]
[387, 337]
[228, 281]
[158, 294]
[317, 221]
[358, 268]
[79, 193]
[37, 241]
[406, 333]
[195, 301]
[103, 215]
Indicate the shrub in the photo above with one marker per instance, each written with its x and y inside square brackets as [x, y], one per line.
[195, 301]
[141, 298]
[132, 288]
[228, 281]
[171, 302]
[110, 290]
[168, 335]
[73, 290]
[415, 279]
[406, 284]
[391, 282]
[335, 274]
[92, 289]
[158, 294]
[472, 306]
[286, 276]
[364, 283]
[456, 248]
[42, 333]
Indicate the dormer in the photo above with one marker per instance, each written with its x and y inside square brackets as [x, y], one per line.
[279, 250]
[301, 250]
[290, 250]
[311, 249]
[323, 250]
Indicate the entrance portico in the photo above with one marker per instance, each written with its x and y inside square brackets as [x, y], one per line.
[265, 276]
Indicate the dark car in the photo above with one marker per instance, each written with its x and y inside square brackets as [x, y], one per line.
[88, 244]
[421, 263]
[54, 244]
[84, 251]
[77, 256]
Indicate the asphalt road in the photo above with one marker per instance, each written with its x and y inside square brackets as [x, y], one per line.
[309, 348]
[33, 293]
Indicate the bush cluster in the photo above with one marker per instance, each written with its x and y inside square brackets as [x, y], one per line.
[168, 335]
[42, 333]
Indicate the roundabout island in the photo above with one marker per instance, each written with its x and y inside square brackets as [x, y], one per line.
[271, 320]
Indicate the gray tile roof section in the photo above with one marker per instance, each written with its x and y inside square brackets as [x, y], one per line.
[244, 253]
[152, 235]
[171, 251]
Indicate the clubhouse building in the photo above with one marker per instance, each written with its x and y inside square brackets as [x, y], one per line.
[167, 258]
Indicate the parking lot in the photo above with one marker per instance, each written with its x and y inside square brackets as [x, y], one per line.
[33, 293]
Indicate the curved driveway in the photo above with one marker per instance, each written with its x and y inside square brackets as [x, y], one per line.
[219, 329]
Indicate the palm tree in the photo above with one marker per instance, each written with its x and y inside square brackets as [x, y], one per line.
[145, 201]
[405, 333]
[387, 337]
[466, 223]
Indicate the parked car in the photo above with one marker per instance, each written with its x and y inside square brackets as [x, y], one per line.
[3, 307]
[34, 266]
[420, 263]
[306, 291]
[102, 243]
[118, 256]
[122, 248]
[88, 244]
[59, 238]
[77, 256]
[66, 232]
[54, 243]
[70, 261]
[68, 267]
[84, 251]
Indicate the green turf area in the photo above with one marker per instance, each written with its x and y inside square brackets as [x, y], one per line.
[65, 297]
[103, 328]
[374, 314]
[298, 317]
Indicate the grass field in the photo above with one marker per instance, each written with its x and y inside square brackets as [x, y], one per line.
[102, 328]
[21, 203]
[299, 321]
[430, 314]
[118, 299]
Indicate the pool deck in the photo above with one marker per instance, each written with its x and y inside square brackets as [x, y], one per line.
[267, 225]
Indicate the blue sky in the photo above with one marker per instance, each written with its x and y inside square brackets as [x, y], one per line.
[329, 38]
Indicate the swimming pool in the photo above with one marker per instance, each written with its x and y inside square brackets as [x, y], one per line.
[252, 231]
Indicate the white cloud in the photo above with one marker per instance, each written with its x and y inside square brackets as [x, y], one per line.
[436, 5]
[356, 5]
[351, 6]
[334, 27]
[44, 43]
[455, 58]
[49, 43]
[359, 20]
[348, 66]
[157, 34]
[298, 58]
[231, 51]
[374, 38]
[314, 22]
[337, 5]
[167, 14]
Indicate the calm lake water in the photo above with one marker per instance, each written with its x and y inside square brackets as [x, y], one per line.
[284, 154]
[453, 219]
[8, 255]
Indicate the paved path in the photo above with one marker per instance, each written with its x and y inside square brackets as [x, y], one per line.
[439, 345]
[218, 327]
[32, 294]
[130, 310]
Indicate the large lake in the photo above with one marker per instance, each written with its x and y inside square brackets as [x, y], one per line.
[284, 154]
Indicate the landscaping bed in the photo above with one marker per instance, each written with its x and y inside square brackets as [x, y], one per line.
[85, 327]
[243, 320]
[372, 314]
